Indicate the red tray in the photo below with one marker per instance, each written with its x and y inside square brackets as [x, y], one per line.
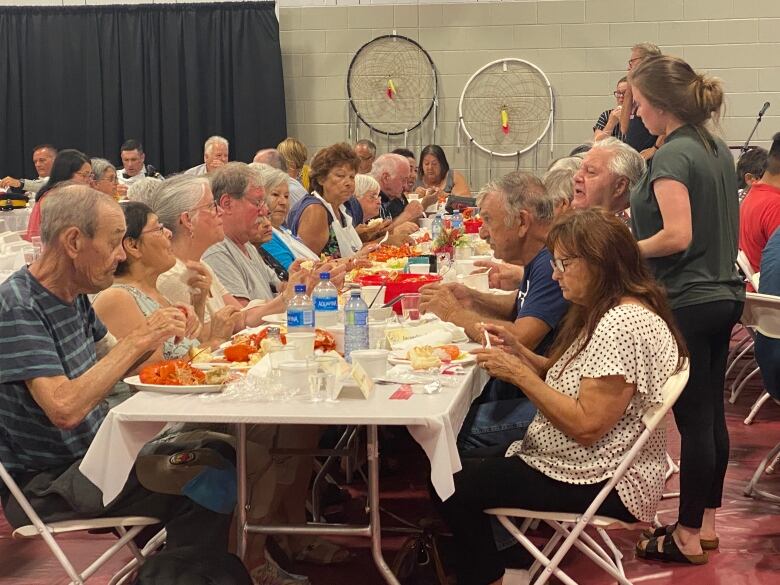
[403, 283]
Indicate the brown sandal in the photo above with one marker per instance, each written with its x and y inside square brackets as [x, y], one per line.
[706, 543]
[669, 553]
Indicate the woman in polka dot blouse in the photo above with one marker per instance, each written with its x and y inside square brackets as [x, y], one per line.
[615, 350]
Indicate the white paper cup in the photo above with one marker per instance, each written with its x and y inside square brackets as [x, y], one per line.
[419, 268]
[478, 282]
[295, 374]
[367, 293]
[373, 361]
[464, 267]
[303, 341]
[338, 334]
[426, 223]
[376, 335]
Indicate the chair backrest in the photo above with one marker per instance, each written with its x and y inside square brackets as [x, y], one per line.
[744, 265]
[762, 312]
[671, 391]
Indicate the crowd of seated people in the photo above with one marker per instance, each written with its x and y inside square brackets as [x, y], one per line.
[611, 270]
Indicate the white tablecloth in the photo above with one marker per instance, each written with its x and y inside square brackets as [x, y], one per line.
[14, 220]
[433, 420]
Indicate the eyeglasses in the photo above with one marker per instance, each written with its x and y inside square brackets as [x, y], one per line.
[634, 60]
[618, 93]
[210, 207]
[560, 264]
[259, 203]
[85, 175]
[160, 229]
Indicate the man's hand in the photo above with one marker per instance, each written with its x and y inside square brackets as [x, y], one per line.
[7, 182]
[411, 212]
[444, 300]
[502, 275]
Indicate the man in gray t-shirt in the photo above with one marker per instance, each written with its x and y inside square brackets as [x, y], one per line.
[236, 262]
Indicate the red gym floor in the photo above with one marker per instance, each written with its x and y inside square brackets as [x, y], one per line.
[749, 529]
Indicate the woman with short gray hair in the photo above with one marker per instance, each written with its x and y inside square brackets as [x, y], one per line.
[104, 174]
[184, 204]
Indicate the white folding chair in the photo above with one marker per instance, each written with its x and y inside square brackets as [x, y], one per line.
[570, 527]
[128, 528]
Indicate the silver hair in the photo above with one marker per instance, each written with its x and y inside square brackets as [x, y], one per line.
[215, 140]
[72, 205]
[559, 184]
[100, 166]
[271, 177]
[364, 184]
[234, 178]
[143, 190]
[389, 163]
[573, 162]
[522, 192]
[625, 161]
[367, 143]
[271, 157]
[177, 195]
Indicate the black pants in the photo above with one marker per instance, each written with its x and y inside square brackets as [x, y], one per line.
[497, 481]
[699, 412]
[186, 523]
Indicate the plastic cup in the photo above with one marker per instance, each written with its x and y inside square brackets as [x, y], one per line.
[322, 386]
[478, 281]
[368, 293]
[410, 306]
[303, 342]
[373, 361]
[295, 374]
[280, 355]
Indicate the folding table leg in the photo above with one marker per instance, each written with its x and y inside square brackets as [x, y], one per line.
[241, 518]
[372, 446]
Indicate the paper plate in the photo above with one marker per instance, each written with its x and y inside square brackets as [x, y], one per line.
[465, 358]
[135, 382]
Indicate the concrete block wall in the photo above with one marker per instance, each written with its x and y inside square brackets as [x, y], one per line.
[582, 46]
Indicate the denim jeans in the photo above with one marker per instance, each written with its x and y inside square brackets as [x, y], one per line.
[499, 416]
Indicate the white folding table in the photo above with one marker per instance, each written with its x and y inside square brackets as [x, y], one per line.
[433, 420]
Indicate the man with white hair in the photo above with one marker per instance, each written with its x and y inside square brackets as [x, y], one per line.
[517, 214]
[391, 171]
[58, 363]
[215, 155]
[609, 171]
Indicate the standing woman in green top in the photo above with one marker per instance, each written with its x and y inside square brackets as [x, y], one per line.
[685, 215]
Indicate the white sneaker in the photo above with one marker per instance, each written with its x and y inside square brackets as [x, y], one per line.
[272, 574]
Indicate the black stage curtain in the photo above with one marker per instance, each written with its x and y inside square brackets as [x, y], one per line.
[169, 75]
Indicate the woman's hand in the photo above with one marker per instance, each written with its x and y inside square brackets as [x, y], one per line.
[161, 325]
[504, 366]
[192, 325]
[503, 338]
[199, 281]
[223, 323]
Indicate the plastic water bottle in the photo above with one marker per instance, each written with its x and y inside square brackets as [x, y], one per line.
[325, 298]
[457, 220]
[300, 311]
[355, 325]
[437, 225]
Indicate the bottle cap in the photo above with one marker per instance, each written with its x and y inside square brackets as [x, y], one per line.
[324, 275]
[300, 288]
[354, 293]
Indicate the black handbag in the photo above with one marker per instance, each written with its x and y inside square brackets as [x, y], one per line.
[418, 561]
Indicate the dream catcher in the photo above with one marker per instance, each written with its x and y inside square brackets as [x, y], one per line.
[391, 84]
[506, 109]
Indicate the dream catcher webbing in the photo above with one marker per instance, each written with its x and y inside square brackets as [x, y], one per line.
[392, 87]
[507, 108]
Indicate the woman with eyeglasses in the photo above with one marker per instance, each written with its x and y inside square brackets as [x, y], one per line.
[608, 123]
[69, 165]
[104, 177]
[616, 347]
[134, 295]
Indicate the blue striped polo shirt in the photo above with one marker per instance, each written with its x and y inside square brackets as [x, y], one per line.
[42, 336]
